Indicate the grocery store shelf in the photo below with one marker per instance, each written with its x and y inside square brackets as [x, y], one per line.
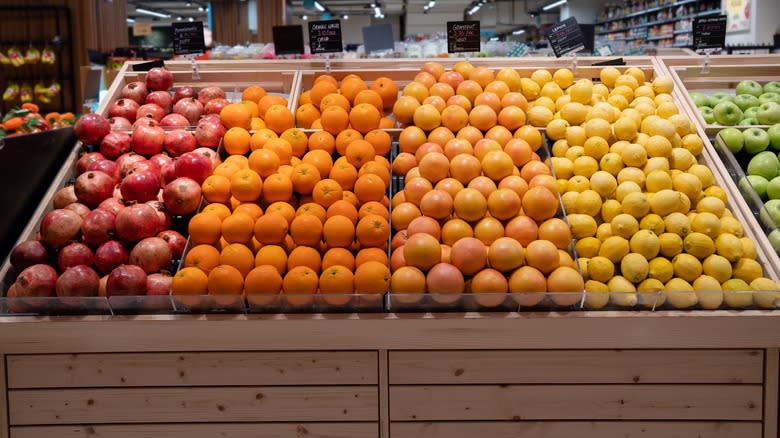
[654, 23]
[647, 11]
[661, 37]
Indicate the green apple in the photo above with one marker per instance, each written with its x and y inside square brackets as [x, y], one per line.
[773, 208]
[773, 188]
[717, 98]
[727, 113]
[732, 138]
[751, 113]
[759, 184]
[756, 140]
[769, 97]
[707, 114]
[769, 113]
[774, 239]
[764, 164]
[749, 87]
[750, 121]
[774, 136]
[772, 87]
[700, 99]
[745, 101]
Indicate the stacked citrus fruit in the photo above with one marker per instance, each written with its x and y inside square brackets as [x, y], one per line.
[257, 110]
[646, 215]
[477, 210]
[284, 216]
[351, 103]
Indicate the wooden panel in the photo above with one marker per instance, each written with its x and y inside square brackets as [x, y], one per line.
[192, 369]
[3, 400]
[384, 395]
[571, 402]
[578, 366]
[223, 430]
[595, 429]
[771, 376]
[178, 405]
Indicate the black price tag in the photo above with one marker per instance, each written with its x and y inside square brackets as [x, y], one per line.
[146, 66]
[325, 36]
[463, 36]
[288, 40]
[188, 38]
[566, 37]
[378, 37]
[709, 32]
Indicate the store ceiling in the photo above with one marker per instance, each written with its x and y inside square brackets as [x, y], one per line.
[388, 7]
[184, 9]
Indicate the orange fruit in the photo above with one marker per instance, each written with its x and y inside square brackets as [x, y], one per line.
[246, 185]
[226, 169]
[334, 119]
[369, 187]
[239, 256]
[239, 161]
[404, 108]
[350, 87]
[236, 115]
[205, 228]
[326, 192]
[497, 165]
[338, 256]
[499, 134]
[323, 140]
[344, 138]
[387, 90]
[264, 161]
[343, 208]
[306, 230]
[403, 214]
[339, 232]
[440, 89]
[251, 209]
[321, 160]
[483, 117]
[297, 139]
[272, 255]
[416, 90]
[489, 99]
[278, 118]
[380, 140]
[225, 280]
[322, 89]
[203, 257]
[344, 173]
[422, 251]
[326, 77]
[337, 280]
[253, 110]
[313, 209]
[304, 256]
[216, 188]
[469, 89]
[304, 177]
[411, 138]
[253, 93]
[372, 231]
[434, 68]
[264, 279]
[276, 188]
[360, 152]
[300, 280]
[268, 101]
[514, 99]
[372, 278]
[335, 99]
[373, 207]
[531, 135]
[492, 282]
[511, 117]
[371, 254]
[350, 197]
[364, 117]
[436, 101]
[281, 148]
[425, 78]
[427, 117]
[260, 137]
[271, 228]
[454, 118]
[189, 281]
[461, 101]
[540, 203]
[403, 163]
[376, 168]
[221, 210]
[386, 123]
[499, 88]
[236, 141]
[370, 97]
[283, 208]
[238, 228]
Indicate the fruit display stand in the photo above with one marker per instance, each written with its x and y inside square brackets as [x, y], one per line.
[586, 373]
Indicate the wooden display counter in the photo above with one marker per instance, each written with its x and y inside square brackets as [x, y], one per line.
[608, 374]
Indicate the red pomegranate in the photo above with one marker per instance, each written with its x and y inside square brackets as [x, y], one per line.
[148, 140]
[210, 118]
[112, 205]
[75, 254]
[209, 133]
[208, 93]
[36, 281]
[127, 162]
[91, 128]
[182, 196]
[174, 120]
[209, 153]
[135, 91]
[79, 208]
[179, 141]
[93, 187]
[109, 255]
[215, 106]
[78, 281]
[190, 108]
[182, 93]
[65, 196]
[145, 121]
[168, 173]
[146, 166]
[32, 252]
[193, 165]
[137, 222]
[120, 124]
[98, 227]
[115, 144]
[85, 160]
[126, 280]
[159, 79]
[59, 227]
[151, 110]
[161, 160]
[175, 241]
[151, 254]
[126, 108]
[106, 166]
[163, 99]
[140, 186]
[158, 283]
[162, 213]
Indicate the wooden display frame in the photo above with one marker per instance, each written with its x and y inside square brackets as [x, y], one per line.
[613, 374]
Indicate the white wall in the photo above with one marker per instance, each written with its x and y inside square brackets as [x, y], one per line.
[764, 23]
[431, 22]
[585, 11]
[352, 29]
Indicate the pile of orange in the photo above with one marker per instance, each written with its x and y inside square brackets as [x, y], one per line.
[289, 218]
[351, 103]
[256, 111]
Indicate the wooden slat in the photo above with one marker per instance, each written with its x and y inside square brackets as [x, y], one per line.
[222, 430]
[192, 369]
[579, 429]
[184, 405]
[576, 402]
[771, 382]
[576, 366]
[384, 395]
[3, 400]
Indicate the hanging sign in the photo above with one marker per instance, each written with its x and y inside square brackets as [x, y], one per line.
[566, 37]
[463, 36]
[288, 40]
[709, 32]
[188, 38]
[325, 36]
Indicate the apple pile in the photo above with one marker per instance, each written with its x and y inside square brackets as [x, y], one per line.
[110, 232]
[752, 105]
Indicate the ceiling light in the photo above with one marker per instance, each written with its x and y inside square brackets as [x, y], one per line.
[373, 5]
[130, 20]
[178, 18]
[377, 11]
[518, 32]
[473, 10]
[152, 13]
[554, 5]
[200, 8]
[431, 4]
[188, 4]
[345, 17]
[304, 17]
[493, 38]
[319, 7]
[382, 16]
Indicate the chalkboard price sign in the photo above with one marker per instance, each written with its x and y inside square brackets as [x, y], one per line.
[288, 40]
[325, 36]
[188, 38]
[463, 36]
[566, 37]
[709, 32]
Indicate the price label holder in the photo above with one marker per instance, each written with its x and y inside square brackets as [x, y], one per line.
[565, 38]
[146, 66]
[288, 40]
[378, 38]
[463, 37]
[188, 40]
[618, 61]
[709, 34]
[325, 37]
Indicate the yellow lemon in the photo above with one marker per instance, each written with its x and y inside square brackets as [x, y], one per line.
[545, 102]
[609, 75]
[686, 267]
[766, 295]
[748, 248]
[588, 202]
[667, 110]
[671, 244]
[625, 128]
[604, 184]
[737, 293]
[680, 294]
[747, 269]
[627, 81]
[574, 112]
[622, 292]
[611, 163]
[569, 199]
[582, 225]
[556, 129]
[661, 269]
[652, 222]
[551, 90]
[637, 74]
[718, 267]
[596, 147]
[687, 184]
[587, 247]
[636, 204]
[563, 77]
[597, 296]
[530, 89]
[609, 209]
[658, 146]
[541, 77]
[560, 147]
[646, 243]
[631, 174]
[581, 91]
[708, 292]
[626, 187]
[658, 181]
[634, 267]
[579, 183]
[574, 152]
[562, 167]
[730, 225]
[682, 124]
[624, 225]
[576, 135]
[618, 101]
[614, 248]
[634, 155]
[585, 166]
[712, 205]
[677, 223]
[693, 143]
[539, 116]
[604, 231]
[698, 245]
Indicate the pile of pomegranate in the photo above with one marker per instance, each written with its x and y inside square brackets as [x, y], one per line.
[110, 231]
